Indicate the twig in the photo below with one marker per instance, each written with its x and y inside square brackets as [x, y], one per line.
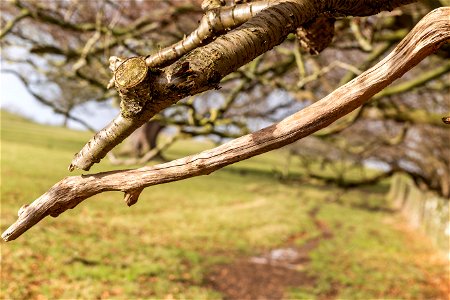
[428, 35]
[11, 23]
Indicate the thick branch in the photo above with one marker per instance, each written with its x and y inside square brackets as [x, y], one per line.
[203, 68]
[215, 21]
[424, 39]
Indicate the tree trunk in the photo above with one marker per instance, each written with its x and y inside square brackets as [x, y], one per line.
[144, 139]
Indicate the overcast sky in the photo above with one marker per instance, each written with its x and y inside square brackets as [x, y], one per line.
[15, 98]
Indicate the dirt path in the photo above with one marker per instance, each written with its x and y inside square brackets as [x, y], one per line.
[267, 276]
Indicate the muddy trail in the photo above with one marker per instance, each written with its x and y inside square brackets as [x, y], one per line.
[268, 275]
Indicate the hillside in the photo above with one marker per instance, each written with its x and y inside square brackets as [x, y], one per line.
[238, 232]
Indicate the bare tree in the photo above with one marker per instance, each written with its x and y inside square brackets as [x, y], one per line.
[264, 91]
[73, 41]
[145, 91]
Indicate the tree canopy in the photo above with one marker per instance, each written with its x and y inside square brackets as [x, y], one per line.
[388, 126]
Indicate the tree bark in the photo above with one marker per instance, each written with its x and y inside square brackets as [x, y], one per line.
[203, 68]
[428, 35]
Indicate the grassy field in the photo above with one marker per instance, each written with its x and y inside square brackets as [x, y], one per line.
[201, 238]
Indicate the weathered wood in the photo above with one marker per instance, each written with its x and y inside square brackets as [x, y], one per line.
[132, 81]
[428, 35]
[203, 68]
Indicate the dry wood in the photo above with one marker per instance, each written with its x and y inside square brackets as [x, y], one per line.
[428, 35]
[203, 68]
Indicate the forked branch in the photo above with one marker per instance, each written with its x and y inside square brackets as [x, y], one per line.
[215, 21]
[145, 91]
[428, 35]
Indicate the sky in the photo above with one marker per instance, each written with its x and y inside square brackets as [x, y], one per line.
[15, 98]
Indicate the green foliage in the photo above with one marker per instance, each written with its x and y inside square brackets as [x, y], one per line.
[167, 243]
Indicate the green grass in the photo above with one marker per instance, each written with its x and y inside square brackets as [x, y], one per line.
[166, 244]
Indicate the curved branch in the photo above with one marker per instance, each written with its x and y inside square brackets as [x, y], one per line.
[428, 35]
[11, 23]
[203, 68]
[389, 112]
[418, 81]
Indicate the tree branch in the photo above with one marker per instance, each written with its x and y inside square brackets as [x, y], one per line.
[388, 112]
[11, 23]
[428, 35]
[418, 81]
[215, 21]
[203, 68]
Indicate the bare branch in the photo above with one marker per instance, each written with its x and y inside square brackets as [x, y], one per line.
[428, 35]
[203, 68]
[418, 81]
[11, 23]
[216, 20]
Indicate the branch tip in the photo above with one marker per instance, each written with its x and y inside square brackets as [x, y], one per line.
[6, 235]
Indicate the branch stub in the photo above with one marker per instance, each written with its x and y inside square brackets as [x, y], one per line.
[130, 73]
[132, 82]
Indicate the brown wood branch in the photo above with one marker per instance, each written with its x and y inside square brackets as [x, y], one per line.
[203, 68]
[214, 22]
[428, 35]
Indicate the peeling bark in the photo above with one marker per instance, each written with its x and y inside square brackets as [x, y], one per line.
[428, 35]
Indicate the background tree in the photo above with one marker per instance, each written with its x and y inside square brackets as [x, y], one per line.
[66, 42]
[275, 84]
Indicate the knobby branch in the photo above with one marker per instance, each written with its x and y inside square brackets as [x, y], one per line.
[145, 90]
[425, 38]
